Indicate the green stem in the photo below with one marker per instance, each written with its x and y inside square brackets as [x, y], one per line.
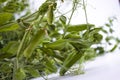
[14, 69]
[22, 43]
[73, 10]
[16, 61]
[35, 13]
[84, 7]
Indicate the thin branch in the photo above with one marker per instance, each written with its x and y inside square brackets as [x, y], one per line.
[84, 7]
[73, 10]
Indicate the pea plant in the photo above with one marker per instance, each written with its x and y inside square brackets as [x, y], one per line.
[33, 45]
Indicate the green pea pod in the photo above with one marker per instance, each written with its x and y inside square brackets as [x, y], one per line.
[57, 45]
[114, 47]
[50, 14]
[70, 61]
[34, 42]
[79, 27]
[43, 8]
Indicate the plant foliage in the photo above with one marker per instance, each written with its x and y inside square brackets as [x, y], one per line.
[33, 45]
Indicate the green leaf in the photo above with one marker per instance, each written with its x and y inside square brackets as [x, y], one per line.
[9, 27]
[105, 31]
[111, 30]
[5, 67]
[97, 37]
[108, 25]
[1, 1]
[80, 44]
[50, 66]
[20, 74]
[4, 17]
[11, 47]
[108, 38]
[72, 36]
[114, 47]
[50, 52]
[43, 8]
[80, 27]
[9, 50]
[89, 34]
[99, 50]
[33, 72]
[63, 19]
[89, 54]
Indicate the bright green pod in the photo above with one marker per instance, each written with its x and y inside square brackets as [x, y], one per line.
[70, 61]
[37, 38]
[57, 45]
[79, 27]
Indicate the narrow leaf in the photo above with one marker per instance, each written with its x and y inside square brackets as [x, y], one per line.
[33, 72]
[20, 74]
[4, 17]
[9, 27]
[63, 19]
[114, 47]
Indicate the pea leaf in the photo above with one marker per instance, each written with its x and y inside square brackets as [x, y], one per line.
[50, 65]
[33, 72]
[97, 37]
[1, 1]
[9, 50]
[114, 47]
[4, 17]
[9, 27]
[11, 47]
[20, 74]
[89, 34]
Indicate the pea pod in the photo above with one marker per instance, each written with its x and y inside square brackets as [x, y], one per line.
[57, 45]
[50, 14]
[34, 42]
[70, 61]
[79, 27]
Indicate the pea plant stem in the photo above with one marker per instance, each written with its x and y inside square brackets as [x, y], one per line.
[84, 7]
[73, 10]
[16, 61]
